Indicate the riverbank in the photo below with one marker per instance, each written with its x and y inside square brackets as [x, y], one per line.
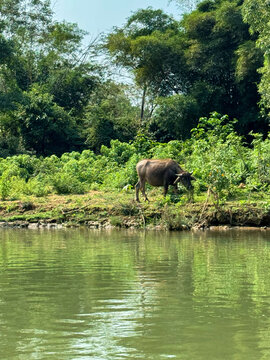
[99, 209]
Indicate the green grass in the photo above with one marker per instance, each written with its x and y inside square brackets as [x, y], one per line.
[120, 209]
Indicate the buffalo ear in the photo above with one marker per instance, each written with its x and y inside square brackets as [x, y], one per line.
[193, 178]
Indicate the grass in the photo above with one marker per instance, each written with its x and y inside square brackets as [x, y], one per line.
[119, 209]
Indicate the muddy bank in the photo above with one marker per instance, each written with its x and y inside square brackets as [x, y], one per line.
[49, 226]
[160, 220]
[235, 218]
[100, 210]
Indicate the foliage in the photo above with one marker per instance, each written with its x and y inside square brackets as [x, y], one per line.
[174, 118]
[55, 97]
[109, 115]
[45, 127]
[205, 62]
[44, 58]
[58, 103]
[260, 161]
[257, 15]
[65, 183]
[188, 5]
[146, 46]
[219, 158]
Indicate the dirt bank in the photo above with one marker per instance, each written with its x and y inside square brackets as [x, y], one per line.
[105, 210]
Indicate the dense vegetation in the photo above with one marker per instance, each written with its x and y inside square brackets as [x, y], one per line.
[67, 126]
[219, 157]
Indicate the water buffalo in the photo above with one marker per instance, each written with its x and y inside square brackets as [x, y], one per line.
[161, 173]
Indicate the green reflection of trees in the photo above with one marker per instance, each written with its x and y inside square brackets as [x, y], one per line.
[211, 293]
[179, 294]
[47, 278]
[238, 267]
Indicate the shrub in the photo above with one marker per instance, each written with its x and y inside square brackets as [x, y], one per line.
[64, 183]
[259, 162]
[217, 155]
[5, 186]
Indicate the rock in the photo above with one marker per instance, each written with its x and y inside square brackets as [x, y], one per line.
[24, 225]
[220, 227]
[185, 227]
[92, 224]
[33, 226]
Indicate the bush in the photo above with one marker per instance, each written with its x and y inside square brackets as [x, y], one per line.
[5, 186]
[64, 183]
[217, 155]
[259, 162]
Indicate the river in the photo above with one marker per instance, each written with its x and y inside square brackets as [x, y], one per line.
[107, 295]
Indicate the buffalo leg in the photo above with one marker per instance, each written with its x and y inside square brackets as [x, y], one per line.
[140, 186]
[137, 187]
[143, 190]
[166, 186]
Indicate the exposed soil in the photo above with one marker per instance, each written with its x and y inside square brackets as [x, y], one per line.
[106, 210]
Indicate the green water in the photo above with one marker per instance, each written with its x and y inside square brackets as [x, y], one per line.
[129, 295]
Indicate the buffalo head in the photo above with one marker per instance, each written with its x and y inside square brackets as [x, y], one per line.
[185, 178]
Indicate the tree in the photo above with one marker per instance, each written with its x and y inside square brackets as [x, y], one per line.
[44, 58]
[175, 117]
[142, 46]
[257, 14]
[186, 6]
[110, 115]
[203, 57]
[71, 87]
[219, 41]
[43, 47]
[9, 91]
[45, 127]
[9, 94]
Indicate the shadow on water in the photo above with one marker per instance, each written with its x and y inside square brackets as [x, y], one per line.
[84, 294]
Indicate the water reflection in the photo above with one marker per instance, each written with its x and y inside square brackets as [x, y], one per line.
[79, 294]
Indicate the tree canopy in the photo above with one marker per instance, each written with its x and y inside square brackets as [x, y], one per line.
[257, 15]
[210, 56]
[55, 97]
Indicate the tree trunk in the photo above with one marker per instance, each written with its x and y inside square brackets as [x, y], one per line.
[143, 104]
